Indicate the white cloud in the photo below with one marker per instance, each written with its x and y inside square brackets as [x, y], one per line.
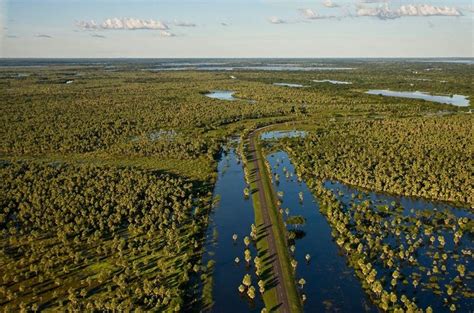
[330, 4]
[386, 12]
[165, 33]
[277, 20]
[87, 25]
[122, 24]
[428, 10]
[313, 15]
[383, 12]
[308, 13]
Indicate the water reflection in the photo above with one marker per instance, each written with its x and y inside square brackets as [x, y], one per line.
[335, 82]
[331, 285]
[457, 100]
[222, 95]
[278, 134]
[226, 95]
[289, 85]
[436, 245]
[345, 194]
[232, 215]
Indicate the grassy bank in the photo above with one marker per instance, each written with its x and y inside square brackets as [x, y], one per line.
[279, 233]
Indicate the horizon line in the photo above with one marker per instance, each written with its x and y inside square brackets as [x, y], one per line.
[174, 58]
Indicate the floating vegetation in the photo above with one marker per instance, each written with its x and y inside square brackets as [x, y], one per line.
[296, 220]
[246, 192]
[107, 183]
[404, 260]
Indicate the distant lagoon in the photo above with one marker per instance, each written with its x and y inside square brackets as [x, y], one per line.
[457, 100]
[221, 95]
[226, 95]
[250, 68]
[336, 82]
[289, 85]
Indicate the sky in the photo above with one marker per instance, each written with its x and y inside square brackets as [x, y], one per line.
[235, 28]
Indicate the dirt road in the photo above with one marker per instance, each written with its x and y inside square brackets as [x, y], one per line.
[282, 294]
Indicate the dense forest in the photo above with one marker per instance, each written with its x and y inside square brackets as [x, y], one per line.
[426, 157]
[96, 238]
[135, 111]
[107, 172]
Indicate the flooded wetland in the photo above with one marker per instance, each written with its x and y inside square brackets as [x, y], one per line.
[124, 187]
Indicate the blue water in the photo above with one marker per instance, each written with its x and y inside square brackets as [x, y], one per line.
[226, 95]
[252, 68]
[278, 134]
[289, 85]
[457, 100]
[272, 64]
[424, 255]
[335, 82]
[233, 215]
[331, 285]
[468, 61]
[408, 203]
[222, 95]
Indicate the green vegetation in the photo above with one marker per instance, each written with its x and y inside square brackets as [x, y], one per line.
[269, 296]
[208, 280]
[117, 159]
[295, 220]
[399, 257]
[88, 237]
[420, 156]
[278, 229]
[107, 182]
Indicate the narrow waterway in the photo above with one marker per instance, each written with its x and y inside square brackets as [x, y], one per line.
[278, 134]
[331, 285]
[233, 215]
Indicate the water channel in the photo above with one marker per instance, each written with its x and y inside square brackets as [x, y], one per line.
[331, 284]
[233, 215]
